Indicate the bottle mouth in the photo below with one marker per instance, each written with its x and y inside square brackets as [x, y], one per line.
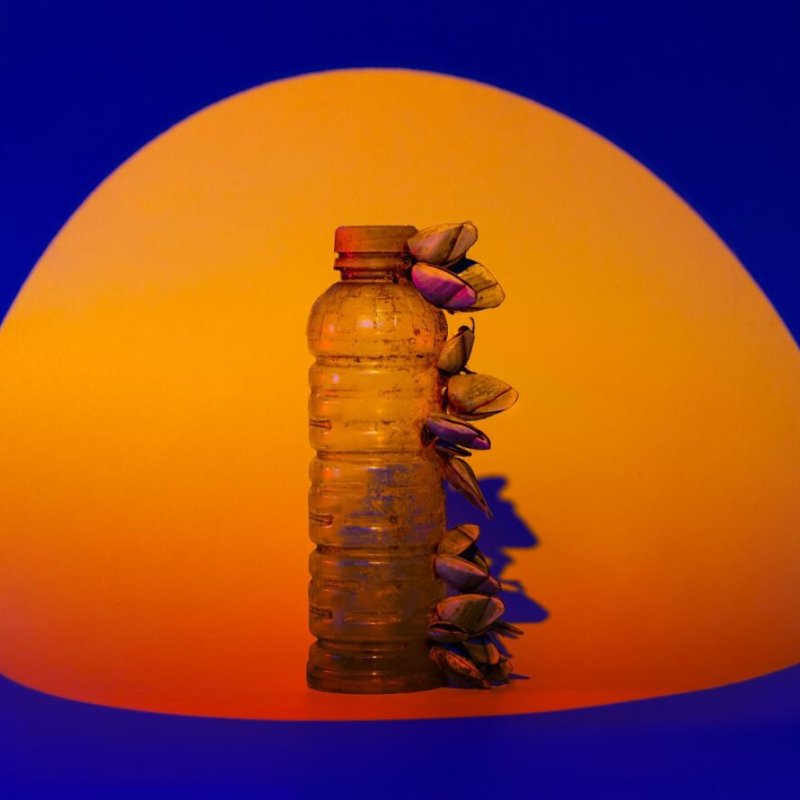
[350, 240]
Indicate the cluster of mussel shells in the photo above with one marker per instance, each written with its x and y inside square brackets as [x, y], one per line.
[466, 632]
[446, 278]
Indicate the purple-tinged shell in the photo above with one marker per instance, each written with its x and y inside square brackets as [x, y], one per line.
[442, 288]
[447, 449]
[456, 431]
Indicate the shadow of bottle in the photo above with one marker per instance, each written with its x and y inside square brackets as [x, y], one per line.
[505, 530]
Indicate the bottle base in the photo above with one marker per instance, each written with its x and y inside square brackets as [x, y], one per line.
[371, 669]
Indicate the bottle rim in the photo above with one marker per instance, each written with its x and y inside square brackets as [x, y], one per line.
[389, 239]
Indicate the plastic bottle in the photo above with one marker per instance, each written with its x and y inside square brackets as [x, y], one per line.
[376, 503]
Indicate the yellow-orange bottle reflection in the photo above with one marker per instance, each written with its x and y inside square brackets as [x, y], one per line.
[376, 503]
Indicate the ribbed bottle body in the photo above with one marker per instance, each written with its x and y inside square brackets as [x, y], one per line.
[376, 501]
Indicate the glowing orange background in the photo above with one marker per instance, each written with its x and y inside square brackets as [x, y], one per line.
[153, 410]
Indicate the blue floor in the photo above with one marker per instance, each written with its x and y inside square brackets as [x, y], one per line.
[737, 741]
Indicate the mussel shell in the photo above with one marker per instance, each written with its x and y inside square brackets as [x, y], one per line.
[457, 539]
[454, 430]
[447, 632]
[476, 557]
[443, 244]
[488, 291]
[447, 449]
[441, 288]
[504, 628]
[465, 576]
[456, 351]
[460, 476]
[482, 651]
[498, 642]
[472, 612]
[457, 664]
[500, 672]
[490, 585]
[476, 396]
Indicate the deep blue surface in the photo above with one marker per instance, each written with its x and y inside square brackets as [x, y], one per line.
[737, 741]
[703, 93]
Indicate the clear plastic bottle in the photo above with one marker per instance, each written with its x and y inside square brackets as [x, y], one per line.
[376, 503]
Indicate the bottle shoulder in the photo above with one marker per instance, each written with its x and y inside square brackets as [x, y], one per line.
[351, 292]
[366, 318]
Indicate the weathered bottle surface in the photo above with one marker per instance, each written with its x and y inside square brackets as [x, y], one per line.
[376, 502]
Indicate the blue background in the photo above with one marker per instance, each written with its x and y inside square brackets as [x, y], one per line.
[705, 94]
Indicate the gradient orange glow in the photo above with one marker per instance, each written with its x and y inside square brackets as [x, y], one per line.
[153, 410]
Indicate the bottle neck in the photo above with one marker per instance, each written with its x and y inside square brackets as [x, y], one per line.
[369, 275]
[380, 267]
